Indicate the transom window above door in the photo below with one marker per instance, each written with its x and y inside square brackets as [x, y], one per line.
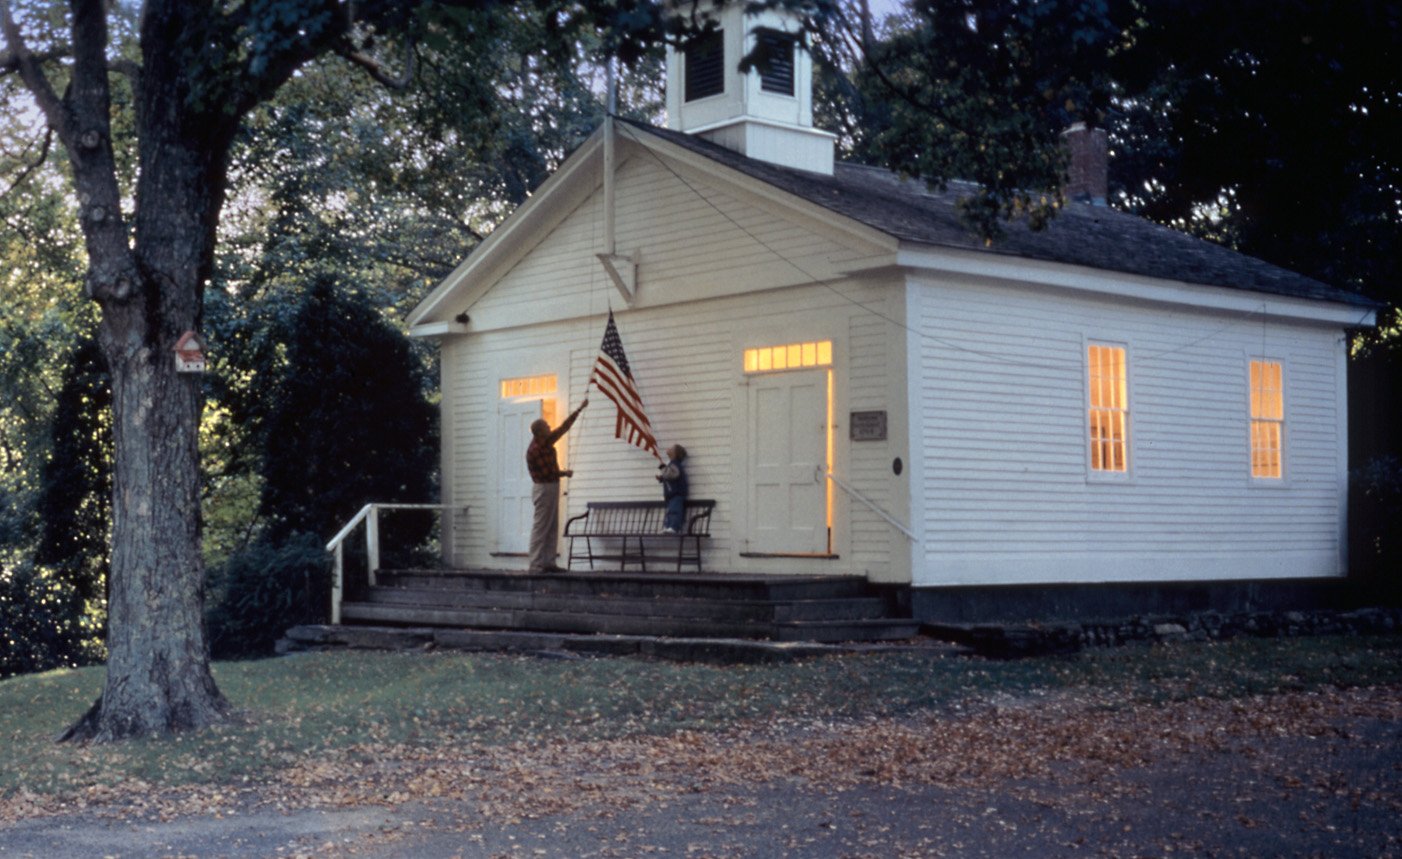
[529, 386]
[790, 356]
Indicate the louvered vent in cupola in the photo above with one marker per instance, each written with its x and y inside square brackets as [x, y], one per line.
[776, 67]
[764, 112]
[705, 65]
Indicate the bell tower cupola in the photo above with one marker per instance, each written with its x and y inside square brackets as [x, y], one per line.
[764, 113]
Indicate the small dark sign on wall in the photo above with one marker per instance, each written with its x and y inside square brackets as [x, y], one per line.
[868, 426]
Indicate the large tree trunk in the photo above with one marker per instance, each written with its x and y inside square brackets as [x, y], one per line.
[203, 67]
[158, 676]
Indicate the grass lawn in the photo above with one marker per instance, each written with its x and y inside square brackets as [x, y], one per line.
[299, 707]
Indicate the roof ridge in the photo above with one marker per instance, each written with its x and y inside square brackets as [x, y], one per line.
[1098, 237]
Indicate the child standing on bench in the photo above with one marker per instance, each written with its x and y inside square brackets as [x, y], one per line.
[672, 476]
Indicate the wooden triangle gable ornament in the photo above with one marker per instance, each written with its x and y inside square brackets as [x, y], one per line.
[623, 271]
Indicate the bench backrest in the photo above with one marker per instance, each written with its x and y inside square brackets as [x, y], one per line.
[641, 517]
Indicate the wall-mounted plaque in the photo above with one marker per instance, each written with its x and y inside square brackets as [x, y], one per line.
[868, 426]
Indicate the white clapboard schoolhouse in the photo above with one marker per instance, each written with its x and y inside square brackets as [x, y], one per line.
[866, 387]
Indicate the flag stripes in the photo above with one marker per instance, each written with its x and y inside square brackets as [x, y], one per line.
[614, 379]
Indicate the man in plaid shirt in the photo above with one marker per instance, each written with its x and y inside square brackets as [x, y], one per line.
[545, 470]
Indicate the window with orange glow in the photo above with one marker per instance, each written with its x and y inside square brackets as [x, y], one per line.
[1109, 409]
[1267, 419]
[791, 356]
[529, 386]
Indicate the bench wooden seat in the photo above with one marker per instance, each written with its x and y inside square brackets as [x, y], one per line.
[633, 522]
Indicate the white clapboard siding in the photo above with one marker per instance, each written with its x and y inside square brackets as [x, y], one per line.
[710, 285]
[693, 241]
[1008, 496]
[688, 373]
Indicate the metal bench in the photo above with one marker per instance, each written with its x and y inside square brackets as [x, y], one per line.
[632, 522]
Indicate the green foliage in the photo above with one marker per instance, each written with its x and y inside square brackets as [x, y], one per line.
[1271, 126]
[257, 594]
[971, 92]
[1375, 511]
[39, 316]
[75, 497]
[348, 422]
[329, 412]
[43, 623]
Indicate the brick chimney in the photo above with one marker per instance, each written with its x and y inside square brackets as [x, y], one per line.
[1087, 173]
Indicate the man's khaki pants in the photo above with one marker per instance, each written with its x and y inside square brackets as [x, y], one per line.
[545, 528]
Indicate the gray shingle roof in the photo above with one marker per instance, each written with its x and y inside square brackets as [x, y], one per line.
[1081, 234]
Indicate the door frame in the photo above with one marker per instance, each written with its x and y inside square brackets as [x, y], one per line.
[748, 555]
[517, 364]
[500, 544]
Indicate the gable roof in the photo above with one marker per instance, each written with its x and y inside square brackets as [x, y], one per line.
[1093, 236]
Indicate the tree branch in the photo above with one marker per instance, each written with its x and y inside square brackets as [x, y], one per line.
[9, 62]
[379, 72]
[30, 168]
[27, 64]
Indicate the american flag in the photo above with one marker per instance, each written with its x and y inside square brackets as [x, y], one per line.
[615, 380]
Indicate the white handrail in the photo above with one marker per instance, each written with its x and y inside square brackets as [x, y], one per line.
[350, 526]
[877, 510]
[370, 515]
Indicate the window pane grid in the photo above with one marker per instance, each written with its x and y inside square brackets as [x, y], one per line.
[1267, 419]
[1109, 409]
[790, 356]
[529, 386]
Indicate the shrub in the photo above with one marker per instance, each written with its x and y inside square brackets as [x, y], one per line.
[42, 622]
[258, 593]
[1375, 511]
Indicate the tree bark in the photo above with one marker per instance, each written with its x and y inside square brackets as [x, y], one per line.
[204, 66]
[158, 676]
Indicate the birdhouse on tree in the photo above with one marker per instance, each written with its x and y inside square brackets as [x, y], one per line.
[189, 353]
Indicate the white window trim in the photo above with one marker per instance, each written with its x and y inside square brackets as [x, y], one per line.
[1131, 454]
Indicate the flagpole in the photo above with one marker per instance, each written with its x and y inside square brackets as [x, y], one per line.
[610, 242]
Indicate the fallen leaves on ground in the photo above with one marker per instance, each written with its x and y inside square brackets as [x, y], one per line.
[1049, 748]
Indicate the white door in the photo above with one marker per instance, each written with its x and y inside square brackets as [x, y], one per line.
[514, 509]
[788, 458]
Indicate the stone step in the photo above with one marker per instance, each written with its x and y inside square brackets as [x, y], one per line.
[854, 608]
[721, 651]
[553, 621]
[883, 629]
[708, 605]
[627, 624]
[684, 585]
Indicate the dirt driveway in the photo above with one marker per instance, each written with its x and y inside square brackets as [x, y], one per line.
[1294, 774]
